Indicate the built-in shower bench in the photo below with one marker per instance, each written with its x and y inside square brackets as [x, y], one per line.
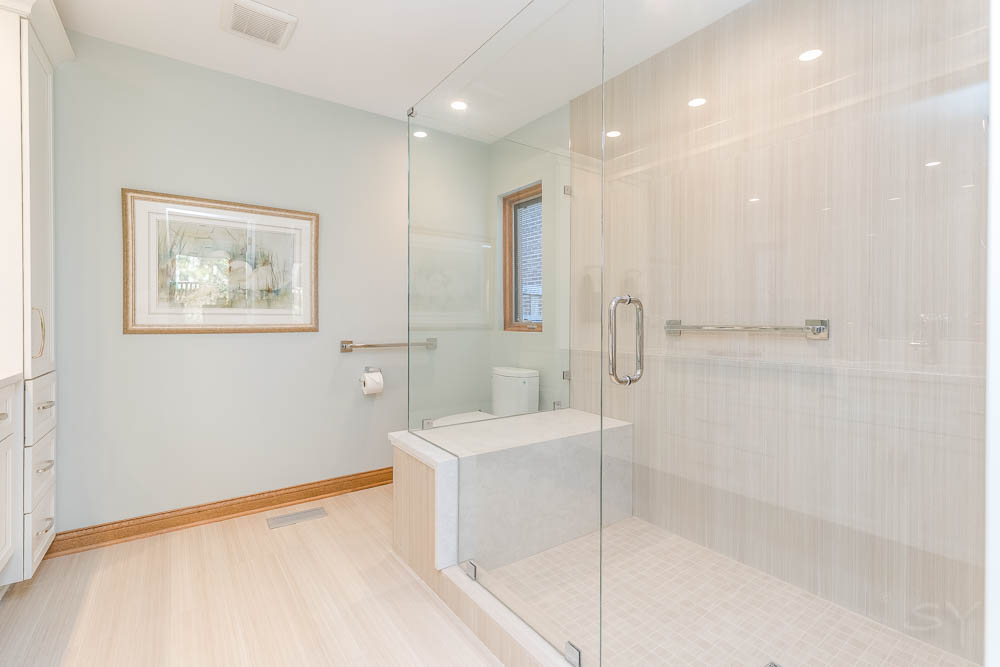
[499, 490]
[510, 487]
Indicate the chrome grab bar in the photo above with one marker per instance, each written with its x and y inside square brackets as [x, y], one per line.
[350, 345]
[813, 329]
[628, 300]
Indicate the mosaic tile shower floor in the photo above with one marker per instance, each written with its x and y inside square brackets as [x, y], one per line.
[669, 601]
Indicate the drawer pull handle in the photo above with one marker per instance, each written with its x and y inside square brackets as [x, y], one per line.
[47, 405]
[45, 467]
[4, 416]
[48, 527]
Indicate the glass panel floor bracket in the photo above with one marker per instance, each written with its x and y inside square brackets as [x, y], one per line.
[573, 655]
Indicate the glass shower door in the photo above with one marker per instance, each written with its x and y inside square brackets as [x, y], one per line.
[505, 279]
[795, 192]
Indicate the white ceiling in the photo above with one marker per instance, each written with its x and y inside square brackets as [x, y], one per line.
[553, 51]
[376, 55]
[385, 55]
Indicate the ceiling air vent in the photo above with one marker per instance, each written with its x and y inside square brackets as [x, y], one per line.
[258, 22]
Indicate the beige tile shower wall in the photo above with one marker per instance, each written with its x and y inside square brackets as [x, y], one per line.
[850, 467]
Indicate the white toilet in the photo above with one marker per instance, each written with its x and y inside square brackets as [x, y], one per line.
[515, 391]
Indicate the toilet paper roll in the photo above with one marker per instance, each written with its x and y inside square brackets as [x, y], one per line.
[372, 383]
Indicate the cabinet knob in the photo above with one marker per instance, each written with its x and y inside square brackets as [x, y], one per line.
[45, 467]
[47, 405]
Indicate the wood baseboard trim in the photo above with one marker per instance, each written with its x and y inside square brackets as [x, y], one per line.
[114, 532]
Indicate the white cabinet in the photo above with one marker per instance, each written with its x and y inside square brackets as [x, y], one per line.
[37, 206]
[39, 531]
[7, 407]
[39, 469]
[9, 442]
[8, 504]
[40, 408]
[11, 292]
[27, 299]
[11, 459]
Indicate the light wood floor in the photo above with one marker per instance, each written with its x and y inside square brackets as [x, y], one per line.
[322, 592]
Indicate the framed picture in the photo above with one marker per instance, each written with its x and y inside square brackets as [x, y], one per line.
[196, 265]
[451, 281]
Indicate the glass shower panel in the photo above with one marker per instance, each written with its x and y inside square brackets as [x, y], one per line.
[498, 194]
[812, 494]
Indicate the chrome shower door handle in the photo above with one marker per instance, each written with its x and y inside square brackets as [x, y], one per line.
[628, 300]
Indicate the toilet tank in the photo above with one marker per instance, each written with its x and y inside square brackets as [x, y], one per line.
[515, 391]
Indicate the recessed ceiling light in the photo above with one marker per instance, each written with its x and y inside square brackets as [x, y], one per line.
[754, 199]
[420, 134]
[811, 54]
[614, 133]
[697, 102]
[933, 163]
[459, 105]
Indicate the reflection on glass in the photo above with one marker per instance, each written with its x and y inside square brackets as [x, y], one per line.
[527, 261]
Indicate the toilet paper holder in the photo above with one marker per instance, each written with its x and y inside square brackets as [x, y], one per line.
[377, 385]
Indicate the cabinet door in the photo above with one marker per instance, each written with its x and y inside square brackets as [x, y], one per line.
[36, 114]
[7, 408]
[11, 257]
[8, 507]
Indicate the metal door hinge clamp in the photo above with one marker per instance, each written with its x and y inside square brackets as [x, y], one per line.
[573, 655]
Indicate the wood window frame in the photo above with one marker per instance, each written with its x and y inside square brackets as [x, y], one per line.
[510, 322]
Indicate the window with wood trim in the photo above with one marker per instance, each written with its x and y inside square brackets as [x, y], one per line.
[522, 259]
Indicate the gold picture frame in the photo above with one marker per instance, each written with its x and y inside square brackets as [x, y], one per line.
[195, 265]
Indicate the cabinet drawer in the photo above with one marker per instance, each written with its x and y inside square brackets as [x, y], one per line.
[8, 508]
[7, 410]
[40, 399]
[39, 531]
[39, 469]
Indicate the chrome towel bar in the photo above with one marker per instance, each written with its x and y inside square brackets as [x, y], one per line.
[350, 345]
[813, 329]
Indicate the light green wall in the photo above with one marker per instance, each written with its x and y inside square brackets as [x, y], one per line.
[156, 422]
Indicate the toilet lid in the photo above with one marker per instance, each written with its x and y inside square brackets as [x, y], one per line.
[511, 372]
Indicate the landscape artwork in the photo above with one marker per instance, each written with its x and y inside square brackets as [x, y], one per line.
[224, 266]
[205, 266]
